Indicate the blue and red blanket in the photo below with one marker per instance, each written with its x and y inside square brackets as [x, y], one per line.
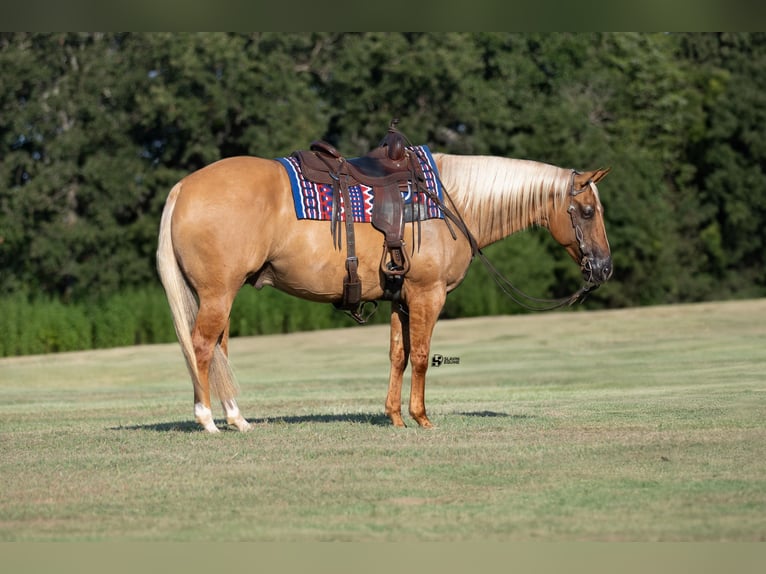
[314, 201]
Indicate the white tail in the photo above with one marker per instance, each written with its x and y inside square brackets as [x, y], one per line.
[184, 308]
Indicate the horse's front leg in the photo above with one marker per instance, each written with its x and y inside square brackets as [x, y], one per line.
[399, 355]
[424, 312]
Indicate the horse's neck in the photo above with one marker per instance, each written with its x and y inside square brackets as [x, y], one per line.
[500, 196]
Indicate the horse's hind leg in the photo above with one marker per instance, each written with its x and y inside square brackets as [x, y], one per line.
[399, 354]
[209, 329]
[233, 416]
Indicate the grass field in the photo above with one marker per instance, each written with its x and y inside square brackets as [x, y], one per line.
[632, 425]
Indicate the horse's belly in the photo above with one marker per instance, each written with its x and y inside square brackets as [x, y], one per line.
[318, 281]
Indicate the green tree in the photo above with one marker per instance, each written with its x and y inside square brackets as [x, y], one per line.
[101, 127]
[732, 159]
[68, 199]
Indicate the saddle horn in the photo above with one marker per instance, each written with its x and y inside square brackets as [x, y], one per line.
[394, 142]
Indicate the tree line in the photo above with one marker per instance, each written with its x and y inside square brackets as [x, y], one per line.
[96, 128]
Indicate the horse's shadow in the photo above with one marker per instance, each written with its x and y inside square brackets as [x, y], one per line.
[372, 419]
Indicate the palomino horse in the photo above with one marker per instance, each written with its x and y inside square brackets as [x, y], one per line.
[233, 222]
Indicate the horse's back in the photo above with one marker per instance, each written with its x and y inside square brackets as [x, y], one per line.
[231, 191]
[233, 181]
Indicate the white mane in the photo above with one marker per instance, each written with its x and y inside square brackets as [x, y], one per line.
[503, 195]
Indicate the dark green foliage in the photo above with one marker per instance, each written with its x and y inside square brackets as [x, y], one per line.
[97, 127]
[43, 325]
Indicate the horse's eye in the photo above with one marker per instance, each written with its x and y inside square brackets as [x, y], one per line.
[588, 211]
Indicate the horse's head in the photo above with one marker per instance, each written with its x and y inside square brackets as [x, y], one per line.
[578, 225]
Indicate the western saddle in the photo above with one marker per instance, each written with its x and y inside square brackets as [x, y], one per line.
[388, 169]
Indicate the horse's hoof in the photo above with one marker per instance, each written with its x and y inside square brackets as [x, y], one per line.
[204, 417]
[423, 422]
[396, 420]
[241, 424]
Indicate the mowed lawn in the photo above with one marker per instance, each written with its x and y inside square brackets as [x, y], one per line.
[633, 425]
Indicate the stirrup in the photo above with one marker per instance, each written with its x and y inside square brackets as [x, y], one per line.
[394, 260]
[361, 314]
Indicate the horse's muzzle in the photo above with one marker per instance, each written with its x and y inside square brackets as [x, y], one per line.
[597, 270]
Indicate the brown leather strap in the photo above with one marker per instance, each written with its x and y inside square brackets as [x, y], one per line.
[352, 287]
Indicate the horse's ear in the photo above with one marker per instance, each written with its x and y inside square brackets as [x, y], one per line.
[599, 174]
[582, 179]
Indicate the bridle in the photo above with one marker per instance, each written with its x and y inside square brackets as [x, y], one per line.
[585, 263]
